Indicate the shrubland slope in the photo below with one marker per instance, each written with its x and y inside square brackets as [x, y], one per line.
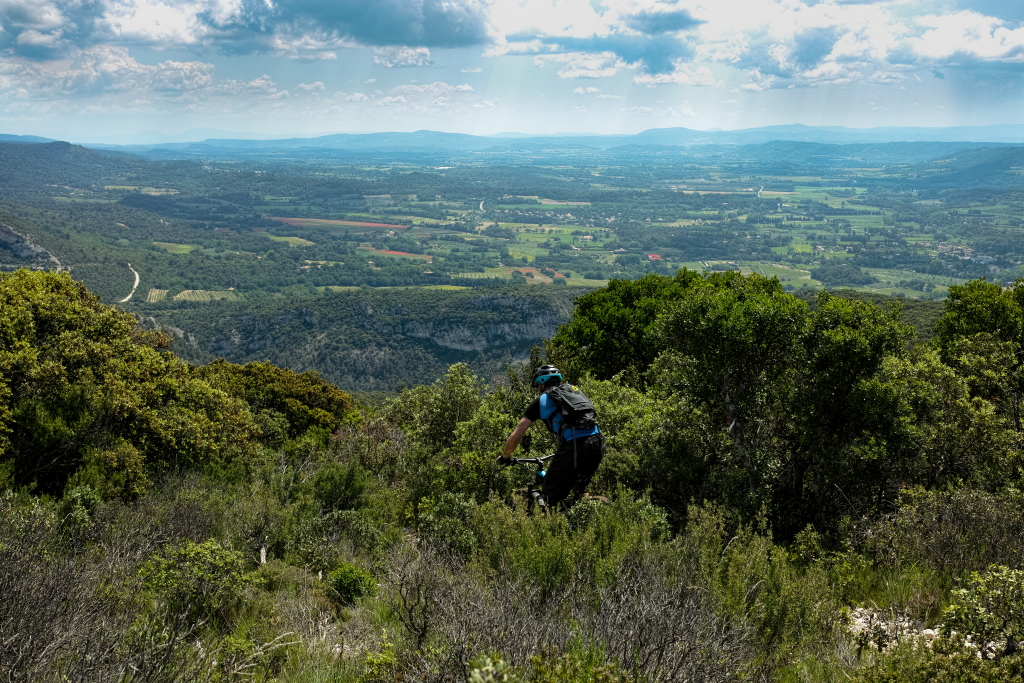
[860, 497]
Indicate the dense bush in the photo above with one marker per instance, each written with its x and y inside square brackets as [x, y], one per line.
[772, 466]
[990, 610]
[349, 583]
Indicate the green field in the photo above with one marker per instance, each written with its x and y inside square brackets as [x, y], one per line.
[396, 254]
[172, 248]
[290, 240]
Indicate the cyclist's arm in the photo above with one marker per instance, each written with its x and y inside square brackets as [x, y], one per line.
[516, 436]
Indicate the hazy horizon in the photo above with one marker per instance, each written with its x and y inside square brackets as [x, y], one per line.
[297, 68]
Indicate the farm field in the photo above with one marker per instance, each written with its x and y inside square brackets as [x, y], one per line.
[172, 248]
[324, 223]
[389, 252]
[291, 240]
[204, 295]
[888, 227]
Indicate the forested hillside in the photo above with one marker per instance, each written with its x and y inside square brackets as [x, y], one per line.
[373, 340]
[797, 493]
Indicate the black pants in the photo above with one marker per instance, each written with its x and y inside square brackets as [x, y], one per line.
[587, 453]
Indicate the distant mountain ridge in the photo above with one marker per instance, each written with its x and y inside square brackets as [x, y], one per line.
[684, 137]
[23, 138]
[945, 164]
[30, 165]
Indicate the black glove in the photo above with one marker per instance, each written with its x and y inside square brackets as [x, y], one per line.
[503, 461]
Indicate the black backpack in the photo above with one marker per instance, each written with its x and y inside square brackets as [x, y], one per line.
[576, 409]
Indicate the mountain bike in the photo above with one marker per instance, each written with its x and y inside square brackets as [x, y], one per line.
[534, 491]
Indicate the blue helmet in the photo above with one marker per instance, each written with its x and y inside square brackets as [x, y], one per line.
[545, 374]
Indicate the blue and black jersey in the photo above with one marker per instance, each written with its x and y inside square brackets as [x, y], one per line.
[544, 408]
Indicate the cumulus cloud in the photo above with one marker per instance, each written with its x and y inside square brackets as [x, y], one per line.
[107, 78]
[968, 36]
[315, 86]
[785, 42]
[391, 57]
[70, 46]
[655, 54]
[438, 88]
[682, 75]
[583, 65]
[682, 109]
[419, 98]
[585, 91]
[650, 22]
[307, 28]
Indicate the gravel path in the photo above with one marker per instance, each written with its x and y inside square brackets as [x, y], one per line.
[134, 287]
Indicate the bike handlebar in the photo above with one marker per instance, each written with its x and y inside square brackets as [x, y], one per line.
[531, 461]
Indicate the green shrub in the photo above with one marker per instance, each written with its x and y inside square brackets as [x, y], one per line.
[574, 667]
[991, 610]
[445, 520]
[320, 543]
[339, 487]
[943, 661]
[202, 580]
[498, 671]
[754, 582]
[348, 583]
[954, 532]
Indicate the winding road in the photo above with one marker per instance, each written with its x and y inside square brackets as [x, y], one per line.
[134, 287]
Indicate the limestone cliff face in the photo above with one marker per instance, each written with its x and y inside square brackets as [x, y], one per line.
[376, 339]
[23, 248]
[494, 322]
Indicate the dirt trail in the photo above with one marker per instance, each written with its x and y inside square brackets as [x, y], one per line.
[134, 287]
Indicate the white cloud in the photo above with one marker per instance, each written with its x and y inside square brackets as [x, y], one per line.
[683, 75]
[758, 81]
[423, 98]
[108, 79]
[438, 88]
[149, 21]
[579, 110]
[55, 51]
[682, 109]
[968, 34]
[392, 57]
[485, 104]
[583, 65]
[611, 97]
[641, 111]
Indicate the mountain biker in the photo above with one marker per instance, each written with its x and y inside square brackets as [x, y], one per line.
[580, 451]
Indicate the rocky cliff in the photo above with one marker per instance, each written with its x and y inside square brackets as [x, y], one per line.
[378, 339]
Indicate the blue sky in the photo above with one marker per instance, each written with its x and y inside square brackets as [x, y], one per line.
[81, 69]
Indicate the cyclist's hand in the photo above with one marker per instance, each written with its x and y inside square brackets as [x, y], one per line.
[503, 461]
